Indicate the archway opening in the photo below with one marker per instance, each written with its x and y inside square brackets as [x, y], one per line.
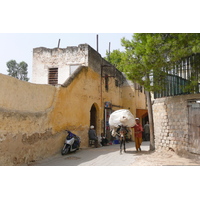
[93, 116]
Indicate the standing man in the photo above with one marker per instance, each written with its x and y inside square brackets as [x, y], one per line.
[138, 134]
[147, 131]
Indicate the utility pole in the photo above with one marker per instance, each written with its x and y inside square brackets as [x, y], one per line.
[58, 43]
[109, 51]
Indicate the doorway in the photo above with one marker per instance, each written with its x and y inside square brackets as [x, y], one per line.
[93, 116]
[194, 126]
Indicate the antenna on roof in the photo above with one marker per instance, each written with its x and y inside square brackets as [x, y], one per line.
[58, 43]
[109, 48]
[97, 43]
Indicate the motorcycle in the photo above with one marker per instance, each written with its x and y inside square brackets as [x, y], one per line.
[72, 143]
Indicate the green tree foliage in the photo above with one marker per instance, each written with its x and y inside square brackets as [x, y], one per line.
[18, 70]
[116, 57]
[148, 57]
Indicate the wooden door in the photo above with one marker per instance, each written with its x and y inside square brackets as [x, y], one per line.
[194, 126]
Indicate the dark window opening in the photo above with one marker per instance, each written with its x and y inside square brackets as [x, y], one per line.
[53, 76]
[116, 83]
[106, 82]
[93, 116]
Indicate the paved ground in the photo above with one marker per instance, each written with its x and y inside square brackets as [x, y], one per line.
[110, 156]
[102, 156]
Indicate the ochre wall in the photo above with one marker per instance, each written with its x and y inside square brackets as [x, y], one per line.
[72, 110]
[33, 117]
[24, 121]
[24, 96]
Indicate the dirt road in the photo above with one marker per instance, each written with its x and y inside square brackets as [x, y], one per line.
[164, 158]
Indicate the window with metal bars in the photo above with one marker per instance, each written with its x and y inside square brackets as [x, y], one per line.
[53, 76]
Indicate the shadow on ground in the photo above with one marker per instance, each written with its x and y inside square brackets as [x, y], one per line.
[103, 156]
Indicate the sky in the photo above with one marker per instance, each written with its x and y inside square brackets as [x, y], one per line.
[19, 46]
[29, 24]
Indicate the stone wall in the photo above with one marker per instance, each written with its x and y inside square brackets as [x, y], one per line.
[171, 122]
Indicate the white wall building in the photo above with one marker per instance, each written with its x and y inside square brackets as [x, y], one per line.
[54, 66]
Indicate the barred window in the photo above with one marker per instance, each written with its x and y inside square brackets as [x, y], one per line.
[106, 82]
[53, 76]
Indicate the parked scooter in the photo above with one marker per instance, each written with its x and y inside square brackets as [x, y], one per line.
[72, 143]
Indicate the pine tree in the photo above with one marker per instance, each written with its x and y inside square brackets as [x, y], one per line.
[150, 56]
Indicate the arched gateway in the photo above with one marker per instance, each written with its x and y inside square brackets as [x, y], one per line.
[94, 116]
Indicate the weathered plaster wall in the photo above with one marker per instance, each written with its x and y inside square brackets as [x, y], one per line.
[33, 117]
[72, 110]
[17, 95]
[125, 94]
[25, 106]
[33, 129]
[24, 121]
[63, 59]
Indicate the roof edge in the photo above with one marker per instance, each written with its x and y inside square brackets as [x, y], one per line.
[73, 76]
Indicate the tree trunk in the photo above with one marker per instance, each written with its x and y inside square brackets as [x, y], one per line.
[151, 125]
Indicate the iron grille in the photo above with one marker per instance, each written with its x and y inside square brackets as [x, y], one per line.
[53, 76]
[180, 76]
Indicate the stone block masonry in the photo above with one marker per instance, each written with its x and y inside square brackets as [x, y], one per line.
[171, 122]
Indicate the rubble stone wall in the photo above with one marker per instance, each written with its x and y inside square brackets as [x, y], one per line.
[171, 122]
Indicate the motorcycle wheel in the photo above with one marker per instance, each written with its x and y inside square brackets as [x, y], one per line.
[65, 149]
